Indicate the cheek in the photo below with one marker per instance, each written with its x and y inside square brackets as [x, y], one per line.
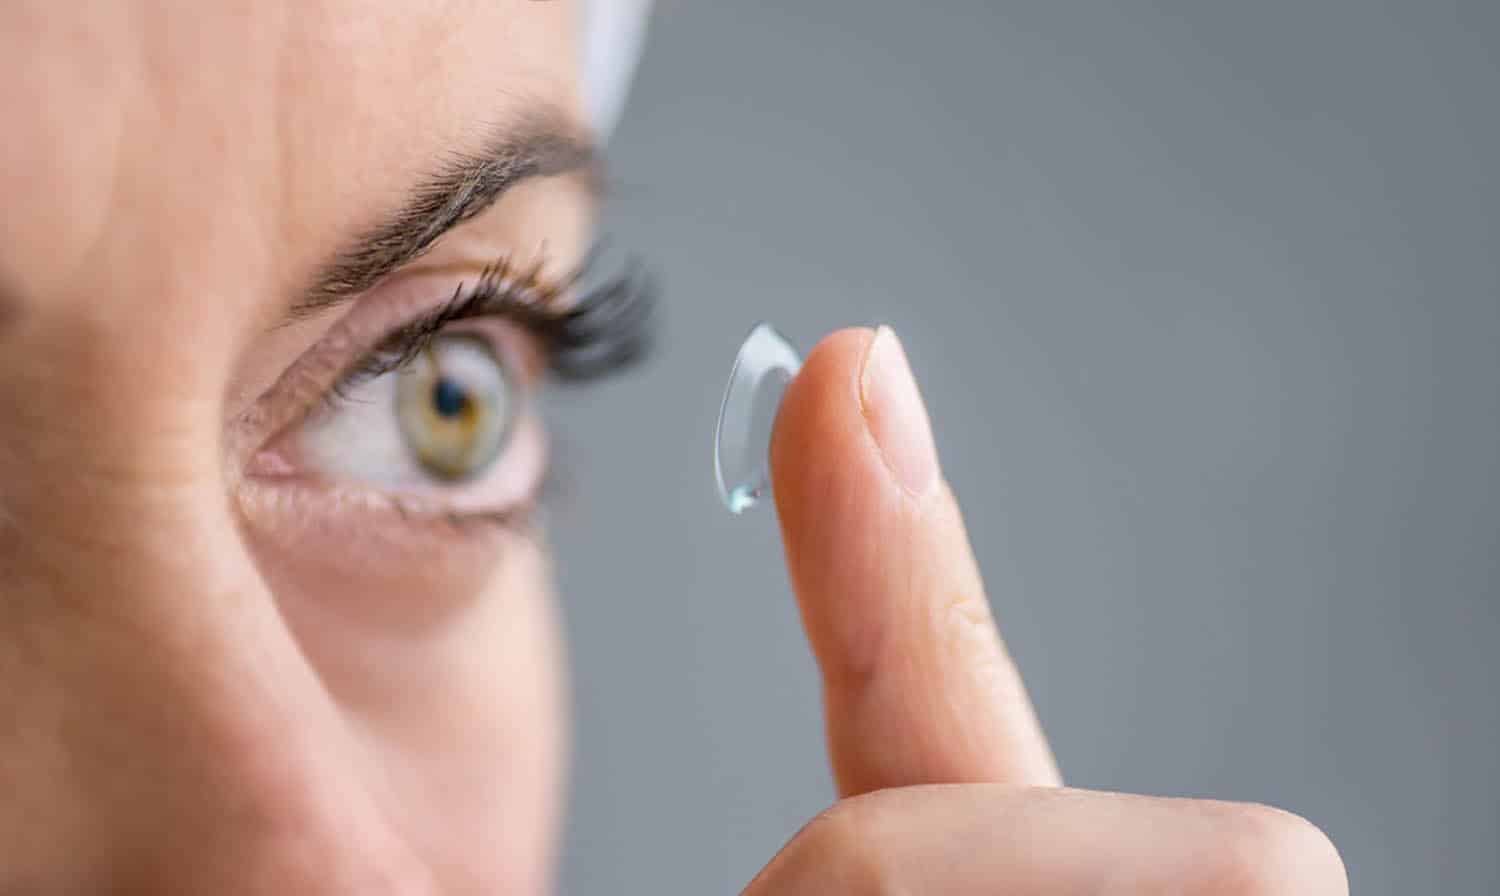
[353, 562]
[386, 619]
[477, 758]
[461, 713]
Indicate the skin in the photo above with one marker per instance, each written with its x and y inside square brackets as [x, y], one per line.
[219, 678]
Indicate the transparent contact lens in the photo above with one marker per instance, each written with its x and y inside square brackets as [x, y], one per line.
[762, 369]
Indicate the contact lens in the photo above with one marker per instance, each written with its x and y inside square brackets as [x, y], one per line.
[763, 367]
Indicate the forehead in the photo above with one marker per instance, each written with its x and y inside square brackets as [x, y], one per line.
[177, 145]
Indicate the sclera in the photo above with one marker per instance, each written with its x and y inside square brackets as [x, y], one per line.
[763, 367]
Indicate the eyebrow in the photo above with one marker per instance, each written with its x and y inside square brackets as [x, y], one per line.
[465, 185]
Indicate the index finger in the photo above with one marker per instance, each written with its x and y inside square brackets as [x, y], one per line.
[918, 687]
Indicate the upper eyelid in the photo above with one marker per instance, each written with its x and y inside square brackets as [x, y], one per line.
[600, 330]
[499, 290]
[604, 329]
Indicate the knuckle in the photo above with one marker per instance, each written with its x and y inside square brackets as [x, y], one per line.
[1263, 851]
[844, 844]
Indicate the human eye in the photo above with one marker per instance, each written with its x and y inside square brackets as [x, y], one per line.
[432, 415]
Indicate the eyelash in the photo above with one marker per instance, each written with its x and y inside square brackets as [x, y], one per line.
[608, 328]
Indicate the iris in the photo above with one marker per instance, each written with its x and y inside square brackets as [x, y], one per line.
[456, 405]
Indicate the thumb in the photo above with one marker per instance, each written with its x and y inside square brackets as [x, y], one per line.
[918, 687]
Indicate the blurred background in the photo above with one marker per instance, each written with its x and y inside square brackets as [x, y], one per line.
[1205, 301]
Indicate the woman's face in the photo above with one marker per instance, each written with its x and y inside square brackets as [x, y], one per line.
[274, 616]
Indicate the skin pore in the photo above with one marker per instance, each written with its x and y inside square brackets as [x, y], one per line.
[249, 646]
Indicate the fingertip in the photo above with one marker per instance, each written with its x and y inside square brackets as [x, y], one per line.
[822, 464]
[917, 685]
[819, 415]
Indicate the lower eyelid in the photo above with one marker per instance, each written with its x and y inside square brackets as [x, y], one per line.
[369, 566]
[513, 482]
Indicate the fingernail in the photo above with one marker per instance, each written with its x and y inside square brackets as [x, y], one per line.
[895, 414]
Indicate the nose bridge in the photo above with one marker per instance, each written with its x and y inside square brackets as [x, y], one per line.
[111, 480]
[156, 716]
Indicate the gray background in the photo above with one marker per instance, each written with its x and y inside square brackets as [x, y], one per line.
[1205, 301]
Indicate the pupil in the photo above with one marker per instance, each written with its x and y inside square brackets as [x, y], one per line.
[449, 398]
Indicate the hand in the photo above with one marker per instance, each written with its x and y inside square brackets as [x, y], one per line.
[946, 783]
